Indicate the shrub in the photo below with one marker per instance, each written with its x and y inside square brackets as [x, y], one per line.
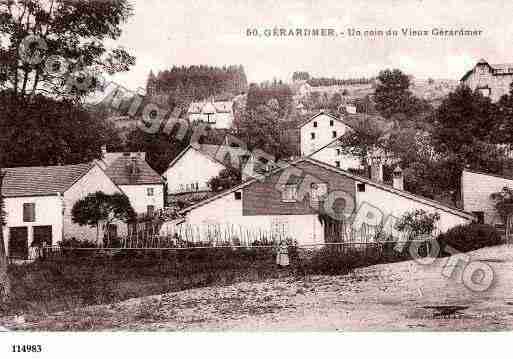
[75, 243]
[470, 237]
[417, 223]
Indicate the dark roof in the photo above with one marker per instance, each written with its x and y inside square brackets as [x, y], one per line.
[121, 171]
[41, 181]
[327, 114]
[497, 69]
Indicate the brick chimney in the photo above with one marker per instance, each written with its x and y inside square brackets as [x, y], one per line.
[398, 181]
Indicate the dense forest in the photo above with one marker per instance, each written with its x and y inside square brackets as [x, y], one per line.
[326, 81]
[198, 82]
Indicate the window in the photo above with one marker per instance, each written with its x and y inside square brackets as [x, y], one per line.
[315, 124]
[150, 210]
[29, 212]
[337, 164]
[238, 196]
[480, 217]
[338, 151]
[150, 192]
[332, 123]
[360, 187]
[289, 193]
[334, 133]
[312, 135]
[317, 191]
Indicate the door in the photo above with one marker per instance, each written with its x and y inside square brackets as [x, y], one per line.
[42, 236]
[18, 242]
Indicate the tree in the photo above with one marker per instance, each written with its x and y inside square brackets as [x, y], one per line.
[100, 208]
[50, 132]
[50, 41]
[393, 97]
[228, 177]
[160, 148]
[5, 287]
[261, 129]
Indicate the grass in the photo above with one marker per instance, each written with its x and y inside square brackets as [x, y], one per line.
[71, 282]
[74, 281]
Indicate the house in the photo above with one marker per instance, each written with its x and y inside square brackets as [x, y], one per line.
[476, 189]
[320, 130]
[38, 203]
[133, 175]
[319, 137]
[218, 114]
[287, 204]
[197, 164]
[492, 80]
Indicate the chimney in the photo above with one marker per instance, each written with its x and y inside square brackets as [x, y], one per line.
[398, 178]
[377, 172]
[104, 150]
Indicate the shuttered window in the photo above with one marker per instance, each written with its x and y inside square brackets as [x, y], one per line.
[29, 212]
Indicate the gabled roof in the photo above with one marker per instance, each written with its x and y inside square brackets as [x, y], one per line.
[327, 114]
[132, 170]
[497, 69]
[382, 186]
[211, 107]
[42, 181]
[212, 153]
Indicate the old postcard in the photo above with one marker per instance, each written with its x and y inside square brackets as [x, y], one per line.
[253, 166]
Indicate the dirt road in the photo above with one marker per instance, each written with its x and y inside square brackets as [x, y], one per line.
[402, 296]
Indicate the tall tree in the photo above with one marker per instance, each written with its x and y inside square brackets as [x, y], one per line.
[394, 99]
[48, 42]
[50, 132]
[5, 287]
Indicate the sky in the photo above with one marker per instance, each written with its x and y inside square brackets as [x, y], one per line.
[163, 33]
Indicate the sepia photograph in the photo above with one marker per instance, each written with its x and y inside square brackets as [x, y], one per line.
[244, 166]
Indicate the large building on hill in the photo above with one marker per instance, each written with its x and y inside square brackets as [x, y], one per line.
[217, 114]
[492, 80]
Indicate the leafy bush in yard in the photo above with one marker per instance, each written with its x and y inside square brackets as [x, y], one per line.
[75, 243]
[466, 238]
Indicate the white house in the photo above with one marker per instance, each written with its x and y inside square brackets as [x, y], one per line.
[218, 114]
[197, 164]
[275, 208]
[38, 203]
[321, 130]
[476, 189]
[133, 175]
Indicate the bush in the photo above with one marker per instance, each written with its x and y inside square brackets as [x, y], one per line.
[470, 237]
[75, 243]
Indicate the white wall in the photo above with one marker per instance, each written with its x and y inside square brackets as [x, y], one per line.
[48, 213]
[476, 189]
[227, 213]
[323, 133]
[329, 156]
[392, 204]
[192, 167]
[95, 180]
[139, 199]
